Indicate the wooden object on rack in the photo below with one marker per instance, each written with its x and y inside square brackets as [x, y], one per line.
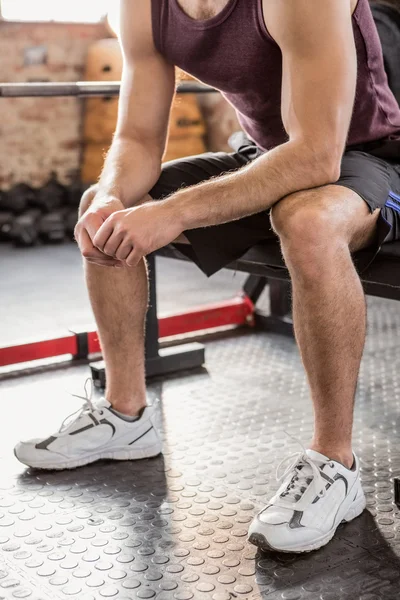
[187, 127]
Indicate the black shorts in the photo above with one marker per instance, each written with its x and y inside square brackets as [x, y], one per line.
[374, 175]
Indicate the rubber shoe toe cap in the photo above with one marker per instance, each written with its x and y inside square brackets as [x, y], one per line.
[282, 537]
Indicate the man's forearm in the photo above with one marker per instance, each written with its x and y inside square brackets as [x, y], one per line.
[254, 188]
[130, 171]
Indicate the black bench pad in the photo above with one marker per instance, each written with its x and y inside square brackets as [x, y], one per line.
[382, 278]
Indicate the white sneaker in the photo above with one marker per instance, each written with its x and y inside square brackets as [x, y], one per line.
[316, 495]
[92, 433]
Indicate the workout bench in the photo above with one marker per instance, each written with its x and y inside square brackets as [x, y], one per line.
[265, 266]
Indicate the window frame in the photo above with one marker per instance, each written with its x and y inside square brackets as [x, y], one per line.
[51, 21]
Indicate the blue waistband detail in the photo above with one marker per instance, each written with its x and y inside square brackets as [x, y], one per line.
[393, 205]
[394, 196]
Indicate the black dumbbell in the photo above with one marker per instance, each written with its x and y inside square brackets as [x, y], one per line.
[51, 196]
[6, 220]
[52, 227]
[24, 230]
[18, 199]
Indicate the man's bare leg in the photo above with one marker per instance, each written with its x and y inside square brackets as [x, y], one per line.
[119, 301]
[318, 229]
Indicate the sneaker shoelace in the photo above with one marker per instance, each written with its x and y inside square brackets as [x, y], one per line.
[87, 407]
[303, 472]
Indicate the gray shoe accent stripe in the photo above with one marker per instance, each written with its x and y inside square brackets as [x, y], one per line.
[336, 478]
[326, 477]
[105, 422]
[295, 521]
[140, 436]
[82, 429]
[339, 476]
[95, 421]
[43, 445]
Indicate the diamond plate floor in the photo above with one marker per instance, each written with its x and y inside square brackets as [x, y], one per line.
[174, 527]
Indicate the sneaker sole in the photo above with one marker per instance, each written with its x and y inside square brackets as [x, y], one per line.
[355, 510]
[117, 454]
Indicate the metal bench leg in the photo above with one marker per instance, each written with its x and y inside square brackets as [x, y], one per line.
[161, 361]
[280, 318]
[254, 286]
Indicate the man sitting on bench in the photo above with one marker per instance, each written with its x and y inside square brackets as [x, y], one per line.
[320, 169]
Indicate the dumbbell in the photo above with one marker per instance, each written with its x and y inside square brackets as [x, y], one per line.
[24, 229]
[51, 196]
[52, 227]
[6, 220]
[18, 198]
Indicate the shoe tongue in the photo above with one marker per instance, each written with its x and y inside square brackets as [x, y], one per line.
[317, 457]
[103, 403]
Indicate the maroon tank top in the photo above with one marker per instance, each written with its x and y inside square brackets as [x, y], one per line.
[234, 53]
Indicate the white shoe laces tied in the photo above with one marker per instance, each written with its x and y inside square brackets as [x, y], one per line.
[88, 406]
[299, 481]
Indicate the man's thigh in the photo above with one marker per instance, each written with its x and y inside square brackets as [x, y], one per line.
[329, 212]
[363, 206]
[376, 181]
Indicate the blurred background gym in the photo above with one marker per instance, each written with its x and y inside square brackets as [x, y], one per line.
[175, 528]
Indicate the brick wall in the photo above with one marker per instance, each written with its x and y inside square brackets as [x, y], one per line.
[40, 135]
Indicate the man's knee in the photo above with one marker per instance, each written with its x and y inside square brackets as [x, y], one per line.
[304, 218]
[311, 229]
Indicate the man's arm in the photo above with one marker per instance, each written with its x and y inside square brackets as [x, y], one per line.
[133, 164]
[318, 90]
